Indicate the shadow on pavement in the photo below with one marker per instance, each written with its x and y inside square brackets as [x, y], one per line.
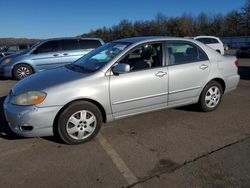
[190, 108]
[244, 72]
[2, 78]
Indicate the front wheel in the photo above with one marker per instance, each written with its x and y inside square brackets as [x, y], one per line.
[79, 122]
[211, 96]
[22, 71]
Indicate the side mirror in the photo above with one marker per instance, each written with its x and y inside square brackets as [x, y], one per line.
[121, 68]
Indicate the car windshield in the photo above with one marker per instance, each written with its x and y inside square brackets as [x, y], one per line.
[30, 49]
[96, 59]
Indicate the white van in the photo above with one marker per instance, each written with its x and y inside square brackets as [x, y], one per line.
[213, 42]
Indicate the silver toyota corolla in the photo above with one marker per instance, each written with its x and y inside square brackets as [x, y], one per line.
[120, 79]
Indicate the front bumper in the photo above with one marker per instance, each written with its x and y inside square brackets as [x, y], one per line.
[5, 71]
[22, 117]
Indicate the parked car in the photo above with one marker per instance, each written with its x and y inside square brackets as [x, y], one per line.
[243, 52]
[2, 51]
[213, 42]
[119, 79]
[226, 47]
[45, 55]
[7, 50]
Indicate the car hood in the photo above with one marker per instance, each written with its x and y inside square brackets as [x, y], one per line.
[47, 79]
[14, 55]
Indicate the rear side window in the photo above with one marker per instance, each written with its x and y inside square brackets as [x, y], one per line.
[50, 46]
[89, 44]
[181, 53]
[69, 44]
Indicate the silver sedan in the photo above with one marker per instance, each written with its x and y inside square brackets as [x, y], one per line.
[120, 79]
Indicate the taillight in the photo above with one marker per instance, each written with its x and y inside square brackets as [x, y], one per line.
[237, 63]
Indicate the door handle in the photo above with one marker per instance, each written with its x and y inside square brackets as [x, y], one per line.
[55, 55]
[160, 74]
[203, 66]
[65, 54]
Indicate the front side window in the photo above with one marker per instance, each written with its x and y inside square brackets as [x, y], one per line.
[50, 46]
[214, 41]
[144, 57]
[98, 58]
[180, 53]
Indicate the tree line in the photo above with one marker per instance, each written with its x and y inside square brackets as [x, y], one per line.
[234, 23]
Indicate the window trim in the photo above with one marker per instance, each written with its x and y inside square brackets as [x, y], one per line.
[181, 42]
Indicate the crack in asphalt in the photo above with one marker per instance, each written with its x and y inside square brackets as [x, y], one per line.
[145, 179]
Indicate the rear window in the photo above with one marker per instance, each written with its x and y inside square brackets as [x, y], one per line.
[12, 48]
[89, 44]
[208, 40]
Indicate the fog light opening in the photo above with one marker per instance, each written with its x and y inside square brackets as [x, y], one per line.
[27, 128]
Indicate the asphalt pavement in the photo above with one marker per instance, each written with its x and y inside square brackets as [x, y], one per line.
[179, 147]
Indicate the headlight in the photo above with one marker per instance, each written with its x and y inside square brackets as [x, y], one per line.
[6, 61]
[29, 98]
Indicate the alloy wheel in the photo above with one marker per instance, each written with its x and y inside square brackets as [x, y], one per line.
[81, 125]
[23, 72]
[212, 97]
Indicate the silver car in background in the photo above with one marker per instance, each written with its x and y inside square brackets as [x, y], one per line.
[46, 54]
[119, 79]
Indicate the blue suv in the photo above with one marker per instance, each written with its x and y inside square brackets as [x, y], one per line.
[46, 54]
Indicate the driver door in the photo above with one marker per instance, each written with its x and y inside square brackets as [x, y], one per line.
[144, 88]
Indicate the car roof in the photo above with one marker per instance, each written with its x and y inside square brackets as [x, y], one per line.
[206, 36]
[79, 38]
[149, 39]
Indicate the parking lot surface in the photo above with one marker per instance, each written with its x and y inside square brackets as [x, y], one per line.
[179, 147]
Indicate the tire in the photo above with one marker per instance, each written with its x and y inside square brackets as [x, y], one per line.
[21, 71]
[79, 122]
[211, 96]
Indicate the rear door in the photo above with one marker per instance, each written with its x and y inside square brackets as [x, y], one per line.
[47, 55]
[189, 68]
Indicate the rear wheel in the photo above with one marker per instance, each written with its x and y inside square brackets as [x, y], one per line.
[79, 122]
[211, 96]
[22, 71]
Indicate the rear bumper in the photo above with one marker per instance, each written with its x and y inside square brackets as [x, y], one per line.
[232, 82]
[21, 118]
